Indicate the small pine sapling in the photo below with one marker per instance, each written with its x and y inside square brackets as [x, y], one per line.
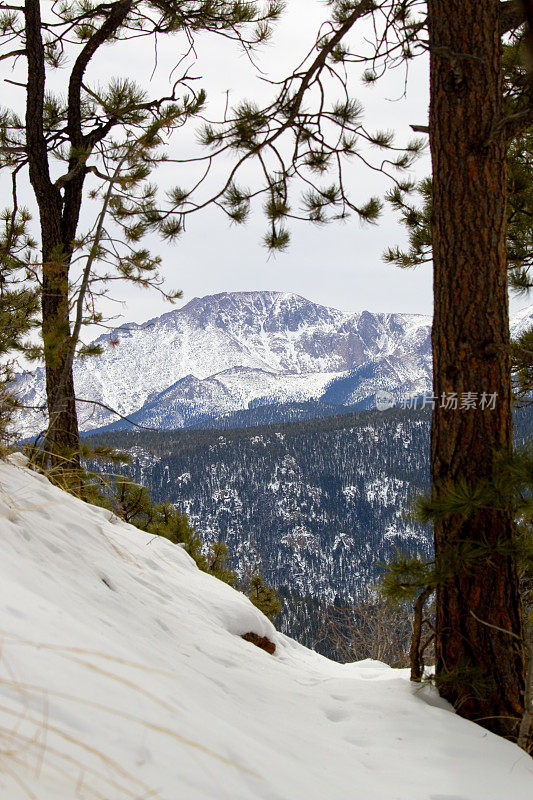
[264, 597]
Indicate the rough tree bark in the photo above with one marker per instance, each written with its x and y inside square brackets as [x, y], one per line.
[480, 657]
[63, 426]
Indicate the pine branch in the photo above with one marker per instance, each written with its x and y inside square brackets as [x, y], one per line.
[515, 124]
[114, 411]
[495, 627]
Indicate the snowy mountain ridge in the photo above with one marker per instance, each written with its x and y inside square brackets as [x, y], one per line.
[233, 351]
[124, 675]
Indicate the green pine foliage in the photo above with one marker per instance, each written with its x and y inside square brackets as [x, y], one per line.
[217, 563]
[522, 361]
[510, 487]
[417, 220]
[416, 217]
[406, 578]
[264, 597]
[414, 204]
[19, 305]
[416, 213]
[412, 579]
[520, 216]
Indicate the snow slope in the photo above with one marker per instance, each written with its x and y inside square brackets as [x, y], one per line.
[123, 675]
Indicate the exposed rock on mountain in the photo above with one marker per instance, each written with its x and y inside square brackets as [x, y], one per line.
[233, 351]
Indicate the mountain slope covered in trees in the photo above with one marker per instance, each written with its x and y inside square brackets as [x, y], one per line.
[318, 505]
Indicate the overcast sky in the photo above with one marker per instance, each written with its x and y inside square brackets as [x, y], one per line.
[338, 265]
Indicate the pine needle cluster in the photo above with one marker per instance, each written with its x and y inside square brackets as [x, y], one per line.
[19, 305]
[263, 597]
[416, 215]
[510, 487]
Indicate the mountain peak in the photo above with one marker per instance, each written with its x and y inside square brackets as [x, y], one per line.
[258, 299]
[264, 347]
[233, 350]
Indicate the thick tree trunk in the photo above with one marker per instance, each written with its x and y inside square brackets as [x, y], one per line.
[480, 658]
[62, 437]
[63, 426]
[59, 216]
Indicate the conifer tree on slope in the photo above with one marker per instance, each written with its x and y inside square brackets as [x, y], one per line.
[103, 143]
[479, 630]
[451, 470]
[479, 640]
[479, 633]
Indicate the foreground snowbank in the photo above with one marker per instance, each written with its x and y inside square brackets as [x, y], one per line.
[123, 675]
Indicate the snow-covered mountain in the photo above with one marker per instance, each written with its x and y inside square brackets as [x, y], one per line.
[124, 675]
[233, 351]
[521, 321]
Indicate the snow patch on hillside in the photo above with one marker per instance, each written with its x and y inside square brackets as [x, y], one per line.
[123, 675]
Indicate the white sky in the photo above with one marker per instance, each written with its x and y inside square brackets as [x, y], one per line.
[338, 265]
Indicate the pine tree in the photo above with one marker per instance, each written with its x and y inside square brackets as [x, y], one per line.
[471, 127]
[263, 597]
[519, 244]
[18, 308]
[108, 140]
[473, 123]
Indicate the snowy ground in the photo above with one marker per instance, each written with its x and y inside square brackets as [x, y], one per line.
[123, 675]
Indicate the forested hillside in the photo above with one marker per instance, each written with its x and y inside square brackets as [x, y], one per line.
[318, 505]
